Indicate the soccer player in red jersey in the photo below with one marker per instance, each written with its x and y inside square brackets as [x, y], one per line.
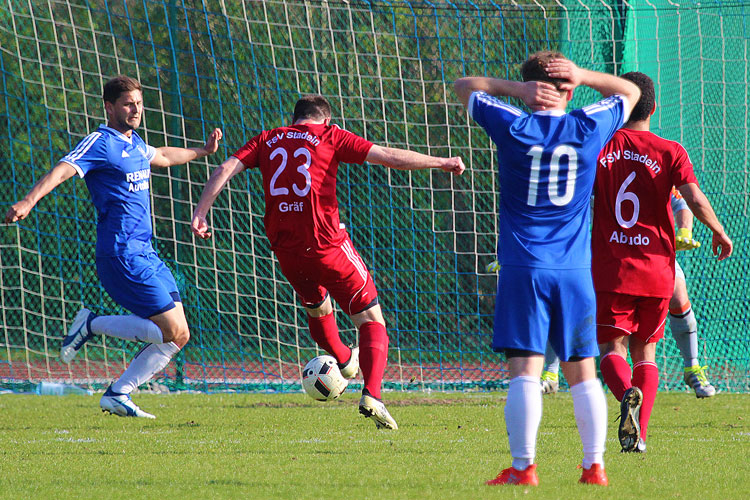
[299, 165]
[633, 255]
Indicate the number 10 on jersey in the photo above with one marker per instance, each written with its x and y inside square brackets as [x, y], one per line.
[553, 188]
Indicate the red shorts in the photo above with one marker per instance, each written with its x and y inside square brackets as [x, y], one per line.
[338, 271]
[619, 315]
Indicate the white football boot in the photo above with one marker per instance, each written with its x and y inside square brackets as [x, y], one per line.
[695, 377]
[78, 334]
[121, 405]
[376, 410]
[350, 368]
[550, 382]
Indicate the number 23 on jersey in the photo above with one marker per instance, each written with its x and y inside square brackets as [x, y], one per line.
[300, 155]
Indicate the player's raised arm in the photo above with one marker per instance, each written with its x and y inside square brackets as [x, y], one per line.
[168, 156]
[704, 212]
[402, 159]
[603, 83]
[534, 94]
[219, 178]
[59, 174]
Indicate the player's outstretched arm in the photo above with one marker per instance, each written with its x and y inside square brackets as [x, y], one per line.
[539, 95]
[219, 178]
[704, 212]
[169, 156]
[59, 174]
[402, 159]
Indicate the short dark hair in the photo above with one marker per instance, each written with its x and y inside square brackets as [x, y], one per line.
[533, 68]
[645, 105]
[312, 107]
[117, 85]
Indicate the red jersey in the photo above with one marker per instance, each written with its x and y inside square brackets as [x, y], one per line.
[632, 242]
[299, 165]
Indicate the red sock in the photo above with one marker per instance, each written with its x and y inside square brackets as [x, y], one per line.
[616, 373]
[325, 333]
[646, 378]
[373, 354]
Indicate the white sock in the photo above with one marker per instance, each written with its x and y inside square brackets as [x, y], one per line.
[685, 332]
[590, 408]
[523, 413]
[148, 362]
[551, 361]
[127, 328]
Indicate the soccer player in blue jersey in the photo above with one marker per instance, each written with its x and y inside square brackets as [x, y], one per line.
[547, 163]
[116, 165]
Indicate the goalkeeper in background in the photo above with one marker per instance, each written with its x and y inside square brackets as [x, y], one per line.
[681, 317]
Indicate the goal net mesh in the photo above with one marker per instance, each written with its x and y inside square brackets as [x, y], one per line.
[387, 68]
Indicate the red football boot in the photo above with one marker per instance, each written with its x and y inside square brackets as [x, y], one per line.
[594, 475]
[514, 476]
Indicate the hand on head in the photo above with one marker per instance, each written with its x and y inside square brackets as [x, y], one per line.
[565, 69]
[540, 95]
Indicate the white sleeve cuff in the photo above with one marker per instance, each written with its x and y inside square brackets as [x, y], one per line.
[470, 107]
[76, 167]
[626, 109]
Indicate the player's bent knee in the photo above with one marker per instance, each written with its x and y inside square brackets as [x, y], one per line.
[323, 308]
[153, 332]
[371, 314]
[182, 338]
[179, 335]
[683, 324]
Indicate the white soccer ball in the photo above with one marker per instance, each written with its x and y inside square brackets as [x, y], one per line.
[322, 379]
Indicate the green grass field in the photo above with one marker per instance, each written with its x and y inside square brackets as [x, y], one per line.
[287, 446]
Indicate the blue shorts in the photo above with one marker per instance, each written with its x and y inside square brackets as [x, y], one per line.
[533, 305]
[140, 283]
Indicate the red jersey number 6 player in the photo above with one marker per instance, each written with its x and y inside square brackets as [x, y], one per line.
[299, 165]
[633, 251]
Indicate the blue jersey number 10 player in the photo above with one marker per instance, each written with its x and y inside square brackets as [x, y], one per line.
[547, 162]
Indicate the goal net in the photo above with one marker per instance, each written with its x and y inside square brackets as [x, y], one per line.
[387, 68]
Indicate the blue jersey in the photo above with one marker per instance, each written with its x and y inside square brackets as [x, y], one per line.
[547, 164]
[117, 169]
